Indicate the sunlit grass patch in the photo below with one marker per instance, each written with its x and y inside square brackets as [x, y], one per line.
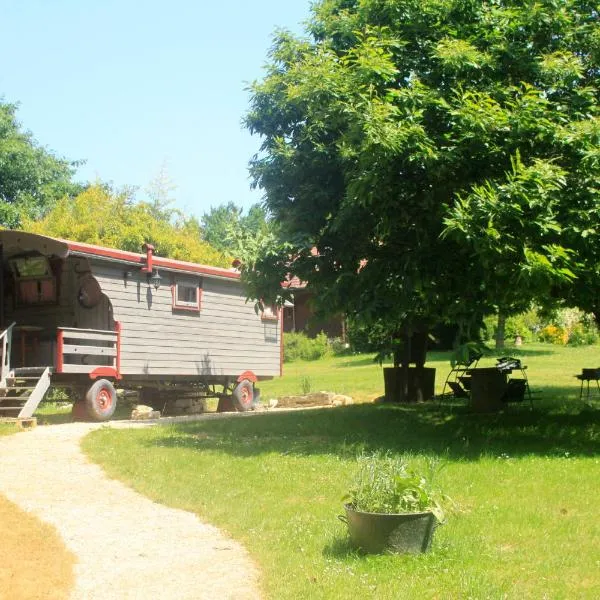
[523, 480]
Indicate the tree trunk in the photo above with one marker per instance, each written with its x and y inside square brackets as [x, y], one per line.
[500, 330]
[406, 352]
[419, 356]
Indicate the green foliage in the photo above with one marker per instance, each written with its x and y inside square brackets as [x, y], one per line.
[553, 334]
[8, 429]
[559, 326]
[582, 336]
[298, 346]
[442, 156]
[466, 353]
[389, 484]
[367, 338]
[222, 226]
[306, 384]
[523, 325]
[339, 347]
[32, 178]
[98, 216]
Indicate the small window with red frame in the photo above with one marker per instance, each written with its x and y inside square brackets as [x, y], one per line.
[187, 295]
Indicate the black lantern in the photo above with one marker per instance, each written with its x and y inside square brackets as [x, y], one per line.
[154, 278]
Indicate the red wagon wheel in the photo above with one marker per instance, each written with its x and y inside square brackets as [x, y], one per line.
[243, 395]
[101, 400]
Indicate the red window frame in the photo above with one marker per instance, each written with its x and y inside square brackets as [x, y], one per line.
[189, 306]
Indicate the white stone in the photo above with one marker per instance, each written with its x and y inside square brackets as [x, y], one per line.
[138, 415]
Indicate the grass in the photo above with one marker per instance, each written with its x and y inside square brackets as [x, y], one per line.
[7, 429]
[526, 482]
[362, 378]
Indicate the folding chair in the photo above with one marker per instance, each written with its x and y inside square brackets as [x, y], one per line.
[458, 380]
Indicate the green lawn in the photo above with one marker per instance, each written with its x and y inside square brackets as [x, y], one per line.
[526, 483]
[7, 429]
[550, 370]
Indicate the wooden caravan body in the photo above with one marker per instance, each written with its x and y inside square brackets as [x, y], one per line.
[88, 312]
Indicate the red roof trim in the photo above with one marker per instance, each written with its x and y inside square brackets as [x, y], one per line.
[166, 263]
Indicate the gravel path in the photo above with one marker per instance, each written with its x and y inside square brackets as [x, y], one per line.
[127, 546]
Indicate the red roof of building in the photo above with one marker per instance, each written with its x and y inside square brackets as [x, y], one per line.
[294, 283]
[158, 261]
[49, 245]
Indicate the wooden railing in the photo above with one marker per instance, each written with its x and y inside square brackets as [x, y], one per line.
[6, 337]
[90, 345]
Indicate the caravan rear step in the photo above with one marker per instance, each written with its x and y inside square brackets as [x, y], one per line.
[28, 423]
[24, 399]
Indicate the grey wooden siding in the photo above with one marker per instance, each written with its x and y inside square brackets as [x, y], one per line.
[225, 338]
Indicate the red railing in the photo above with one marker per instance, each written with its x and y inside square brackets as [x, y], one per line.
[75, 348]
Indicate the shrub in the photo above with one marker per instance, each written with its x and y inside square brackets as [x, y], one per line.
[297, 346]
[582, 336]
[553, 334]
[339, 347]
[305, 384]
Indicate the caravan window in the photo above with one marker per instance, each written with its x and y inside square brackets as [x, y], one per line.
[34, 281]
[187, 295]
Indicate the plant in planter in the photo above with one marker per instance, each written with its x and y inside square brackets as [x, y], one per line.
[393, 507]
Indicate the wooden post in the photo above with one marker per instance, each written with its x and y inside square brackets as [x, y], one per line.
[118, 357]
[59, 351]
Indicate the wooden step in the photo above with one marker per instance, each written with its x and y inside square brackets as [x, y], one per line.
[21, 423]
[28, 371]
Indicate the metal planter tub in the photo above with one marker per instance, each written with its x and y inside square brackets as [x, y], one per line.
[397, 533]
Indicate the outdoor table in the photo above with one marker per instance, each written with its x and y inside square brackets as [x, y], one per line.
[588, 375]
[488, 386]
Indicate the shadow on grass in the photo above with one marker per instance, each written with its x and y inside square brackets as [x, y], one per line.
[425, 428]
[53, 414]
[516, 352]
[341, 547]
[359, 362]
[444, 356]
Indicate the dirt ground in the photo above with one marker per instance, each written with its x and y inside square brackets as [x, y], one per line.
[34, 562]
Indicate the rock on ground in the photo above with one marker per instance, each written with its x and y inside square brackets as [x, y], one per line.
[313, 399]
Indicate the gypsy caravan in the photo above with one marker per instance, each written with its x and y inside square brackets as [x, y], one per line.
[93, 319]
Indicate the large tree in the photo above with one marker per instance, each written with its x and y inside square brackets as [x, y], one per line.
[393, 121]
[223, 225]
[31, 177]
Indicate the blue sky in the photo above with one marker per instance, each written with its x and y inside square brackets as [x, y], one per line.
[130, 85]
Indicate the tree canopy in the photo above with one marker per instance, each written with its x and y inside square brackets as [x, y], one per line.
[31, 177]
[223, 225]
[441, 155]
[100, 216]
